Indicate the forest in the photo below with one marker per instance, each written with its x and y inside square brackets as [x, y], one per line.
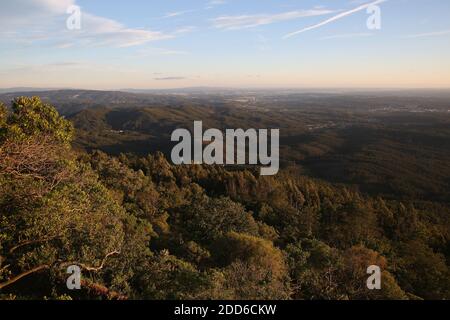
[140, 227]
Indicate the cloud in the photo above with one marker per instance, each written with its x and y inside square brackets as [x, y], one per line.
[65, 65]
[169, 78]
[214, 3]
[335, 18]
[186, 29]
[159, 52]
[176, 14]
[348, 36]
[429, 34]
[49, 17]
[102, 31]
[31, 11]
[251, 21]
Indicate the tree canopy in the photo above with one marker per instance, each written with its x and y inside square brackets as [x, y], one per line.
[141, 228]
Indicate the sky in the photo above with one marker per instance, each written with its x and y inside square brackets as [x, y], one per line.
[141, 44]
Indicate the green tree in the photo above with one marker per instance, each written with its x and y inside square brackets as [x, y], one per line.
[254, 268]
[207, 219]
[54, 211]
[423, 272]
[32, 117]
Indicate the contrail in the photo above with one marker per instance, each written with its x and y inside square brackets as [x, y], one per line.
[336, 17]
[429, 34]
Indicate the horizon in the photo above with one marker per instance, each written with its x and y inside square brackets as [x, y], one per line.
[349, 44]
[7, 90]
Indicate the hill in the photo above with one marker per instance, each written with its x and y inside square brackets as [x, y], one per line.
[141, 228]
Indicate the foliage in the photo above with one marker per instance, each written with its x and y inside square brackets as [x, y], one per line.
[141, 228]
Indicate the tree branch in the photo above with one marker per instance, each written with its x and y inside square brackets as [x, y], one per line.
[102, 264]
[42, 267]
[22, 275]
[26, 243]
[94, 269]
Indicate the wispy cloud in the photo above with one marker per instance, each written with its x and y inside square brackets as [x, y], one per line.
[19, 12]
[429, 34]
[49, 17]
[159, 52]
[174, 14]
[251, 21]
[102, 31]
[62, 65]
[334, 18]
[347, 36]
[214, 3]
[169, 78]
[177, 14]
[183, 30]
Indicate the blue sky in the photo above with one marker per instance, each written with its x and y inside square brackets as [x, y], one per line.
[232, 43]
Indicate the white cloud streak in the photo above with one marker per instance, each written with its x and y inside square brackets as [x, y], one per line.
[334, 18]
[214, 3]
[347, 36]
[175, 14]
[429, 34]
[251, 21]
[49, 16]
[158, 52]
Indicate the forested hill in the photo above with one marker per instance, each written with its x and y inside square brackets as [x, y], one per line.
[394, 144]
[394, 154]
[142, 228]
[70, 102]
